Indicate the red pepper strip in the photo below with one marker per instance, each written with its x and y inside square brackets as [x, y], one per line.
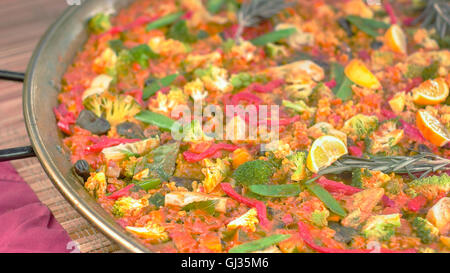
[355, 151]
[390, 11]
[106, 142]
[265, 88]
[331, 84]
[258, 205]
[308, 239]
[65, 118]
[281, 122]
[417, 203]
[412, 132]
[120, 193]
[387, 202]
[211, 151]
[336, 187]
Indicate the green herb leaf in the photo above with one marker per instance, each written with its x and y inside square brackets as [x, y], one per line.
[157, 200]
[344, 91]
[179, 31]
[369, 26]
[142, 54]
[285, 190]
[164, 159]
[259, 244]
[215, 5]
[273, 36]
[148, 184]
[326, 198]
[208, 206]
[164, 21]
[431, 71]
[156, 119]
[157, 84]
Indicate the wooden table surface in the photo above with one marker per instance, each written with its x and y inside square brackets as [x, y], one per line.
[22, 23]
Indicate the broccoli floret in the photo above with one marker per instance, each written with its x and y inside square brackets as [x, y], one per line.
[357, 178]
[381, 227]
[214, 78]
[127, 205]
[115, 109]
[425, 230]
[214, 173]
[299, 106]
[275, 51]
[360, 125]
[253, 172]
[432, 186]
[299, 160]
[241, 80]
[100, 23]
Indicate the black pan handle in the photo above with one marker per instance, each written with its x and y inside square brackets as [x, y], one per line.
[19, 152]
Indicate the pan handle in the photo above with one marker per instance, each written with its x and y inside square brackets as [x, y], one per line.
[19, 152]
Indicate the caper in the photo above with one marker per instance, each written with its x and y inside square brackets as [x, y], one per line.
[91, 122]
[82, 169]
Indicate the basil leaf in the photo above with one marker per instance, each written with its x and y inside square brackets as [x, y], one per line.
[156, 119]
[142, 54]
[344, 91]
[164, 158]
[273, 36]
[157, 200]
[326, 198]
[369, 26]
[149, 184]
[215, 5]
[208, 206]
[179, 31]
[259, 244]
[164, 21]
[157, 84]
[285, 190]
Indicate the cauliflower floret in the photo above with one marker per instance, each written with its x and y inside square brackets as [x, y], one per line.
[439, 215]
[166, 47]
[114, 108]
[96, 184]
[215, 79]
[106, 60]
[360, 206]
[360, 125]
[381, 227]
[244, 50]
[128, 206]
[182, 198]
[124, 150]
[323, 128]
[196, 89]
[214, 173]
[298, 166]
[98, 85]
[164, 104]
[247, 221]
[385, 138]
[153, 232]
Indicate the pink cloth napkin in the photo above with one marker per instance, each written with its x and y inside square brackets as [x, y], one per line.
[26, 225]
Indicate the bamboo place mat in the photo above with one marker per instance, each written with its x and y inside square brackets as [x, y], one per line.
[22, 23]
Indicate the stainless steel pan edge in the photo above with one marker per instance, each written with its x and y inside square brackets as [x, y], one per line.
[50, 59]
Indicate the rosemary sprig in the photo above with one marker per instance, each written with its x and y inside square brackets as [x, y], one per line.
[436, 14]
[423, 163]
[256, 11]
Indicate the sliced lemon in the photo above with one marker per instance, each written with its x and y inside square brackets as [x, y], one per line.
[358, 73]
[324, 151]
[431, 92]
[431, 128]
[396, 39]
